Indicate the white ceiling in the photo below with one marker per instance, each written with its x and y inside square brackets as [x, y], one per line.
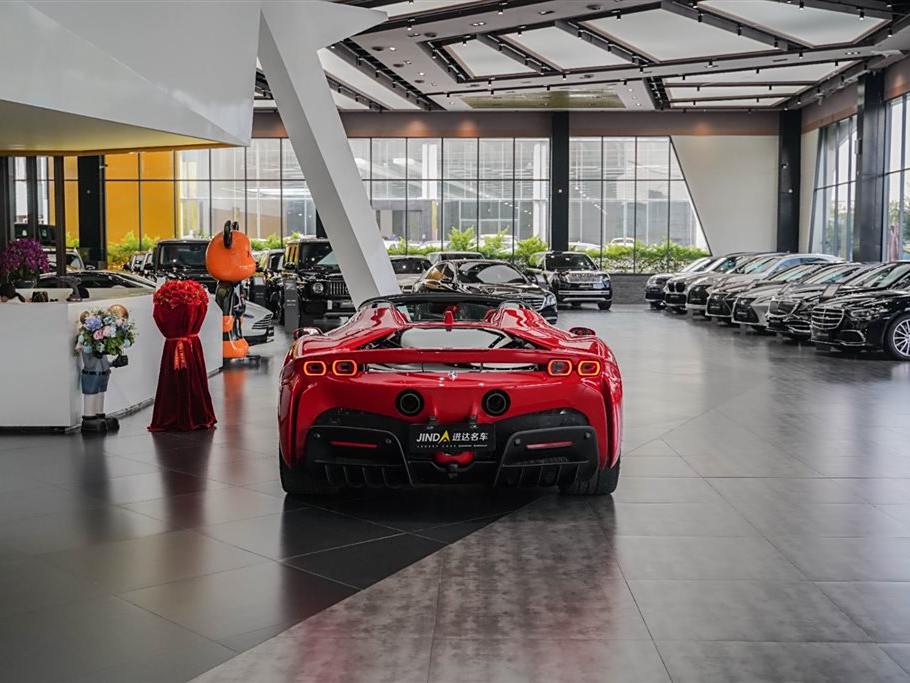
[563, 50]
[692, 92]
[742, 103]
[663, 36]
[482, 60]
[808, 25]
[443, 52]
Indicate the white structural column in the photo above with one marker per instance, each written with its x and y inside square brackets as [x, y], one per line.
[290, 33]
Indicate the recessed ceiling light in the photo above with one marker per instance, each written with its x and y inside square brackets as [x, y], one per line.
[478, 23]
[420, 73]
[545, 12]
[392, 48]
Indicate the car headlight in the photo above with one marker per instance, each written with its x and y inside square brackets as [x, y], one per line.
[606, 278]
[866, 314]
[317, 288]
[549, 300]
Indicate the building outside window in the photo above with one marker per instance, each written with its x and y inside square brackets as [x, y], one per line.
[896, 245]
[629, 204]
[835, 187]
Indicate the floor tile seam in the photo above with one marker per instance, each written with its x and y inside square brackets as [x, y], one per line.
[262, 562]
[154, 614]
[201, 530]
[344, 546]
[641, 614]
[339, 582]
[348, 515]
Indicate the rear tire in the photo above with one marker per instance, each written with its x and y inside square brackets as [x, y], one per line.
[300, 483]
[603, 483]
[604, 305]
[897, 338]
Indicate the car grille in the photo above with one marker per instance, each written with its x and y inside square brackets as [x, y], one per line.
[781, 307]
[718, 305]
[583, 278]
[742, 311]
[827, 317]
[535, 302]
[698, 296]
[676, 287]
[798, 326]
[263, 323]
[336, 289]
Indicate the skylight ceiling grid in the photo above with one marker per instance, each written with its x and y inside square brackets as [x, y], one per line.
[666, 36]
[562, 50]
[806, 25]
[480, 60]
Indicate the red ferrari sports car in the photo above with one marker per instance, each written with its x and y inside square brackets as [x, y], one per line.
[444, 389]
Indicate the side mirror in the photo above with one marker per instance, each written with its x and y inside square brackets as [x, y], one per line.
[90, 267]
[306, 332]
[582, 331]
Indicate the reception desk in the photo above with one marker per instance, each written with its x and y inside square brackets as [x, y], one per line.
[41, 388]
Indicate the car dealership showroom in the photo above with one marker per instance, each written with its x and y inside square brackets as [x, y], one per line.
[446, 341]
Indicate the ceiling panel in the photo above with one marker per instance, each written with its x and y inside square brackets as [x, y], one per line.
[345, 102]
[741, 103]
[690, 92]
[564, 50]
[666, 36]
[481, 60]
[778, 74]
[400, 9]
[808, 25]
[357, 80]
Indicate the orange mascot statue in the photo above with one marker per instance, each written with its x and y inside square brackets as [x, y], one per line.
[229, 259]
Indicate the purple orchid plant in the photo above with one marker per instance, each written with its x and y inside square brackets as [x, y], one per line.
[24, 259]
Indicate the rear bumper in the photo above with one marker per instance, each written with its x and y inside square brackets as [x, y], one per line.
[353, 448]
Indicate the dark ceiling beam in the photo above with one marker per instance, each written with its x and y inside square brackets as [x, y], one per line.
[517, 53]
[588, 35]
[355, 95]
[442, 14]
[438, 53]
[725, 23]
[364, 62]
[871, 8]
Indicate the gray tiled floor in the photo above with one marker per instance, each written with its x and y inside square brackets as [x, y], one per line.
[760, 533]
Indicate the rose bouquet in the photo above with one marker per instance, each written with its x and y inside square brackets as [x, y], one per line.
[105, 332]
[23, 260]
[174, 293]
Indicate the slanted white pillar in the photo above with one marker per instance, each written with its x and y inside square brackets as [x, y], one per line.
[290, 33]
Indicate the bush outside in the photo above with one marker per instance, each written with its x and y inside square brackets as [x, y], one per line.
[614, 258]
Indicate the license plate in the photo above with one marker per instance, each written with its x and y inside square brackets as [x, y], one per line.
[452, 438]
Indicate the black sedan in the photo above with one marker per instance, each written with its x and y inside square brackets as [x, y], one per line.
[573, 277]
[488, 277]
[869, 321]
[790, 314]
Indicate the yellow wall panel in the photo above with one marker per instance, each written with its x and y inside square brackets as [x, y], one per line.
[122, 207]
[121, 166]
[156, 165]
[157, 210]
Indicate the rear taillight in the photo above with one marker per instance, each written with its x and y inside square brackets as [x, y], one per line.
[588, 368]
[559, 368]
[314, 368]
[344, 368]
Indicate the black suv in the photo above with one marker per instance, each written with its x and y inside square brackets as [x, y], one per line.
[183, 258]
[321, 290]
[573, 277]
[265, 285]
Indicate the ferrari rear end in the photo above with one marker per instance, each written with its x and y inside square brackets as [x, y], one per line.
[396, 412]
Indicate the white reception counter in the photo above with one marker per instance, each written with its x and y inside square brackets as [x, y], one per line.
[40, 372]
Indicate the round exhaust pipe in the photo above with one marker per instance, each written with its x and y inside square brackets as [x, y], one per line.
[409, 403]
[495, 402]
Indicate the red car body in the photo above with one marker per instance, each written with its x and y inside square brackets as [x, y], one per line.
[348, 415]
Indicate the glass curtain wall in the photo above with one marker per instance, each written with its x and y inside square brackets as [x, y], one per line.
[629, 205]
[832, 199]
[430, 193]
[426, 192]
[896, 245]
[45, 194]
